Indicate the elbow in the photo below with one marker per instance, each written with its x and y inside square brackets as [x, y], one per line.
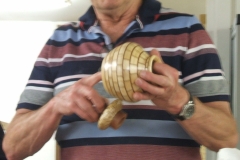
[10, 151]
[7, 150]
[230, 142]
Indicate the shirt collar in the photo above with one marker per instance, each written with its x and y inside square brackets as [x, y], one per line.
[147, 13]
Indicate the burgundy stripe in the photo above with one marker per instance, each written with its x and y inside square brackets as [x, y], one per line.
[199, 38]
[150, 107]
[200, 52]
[68, 59]
[162, 41]
[59, 52]
[130, 152]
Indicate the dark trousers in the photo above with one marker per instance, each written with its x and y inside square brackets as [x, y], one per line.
[2, 155]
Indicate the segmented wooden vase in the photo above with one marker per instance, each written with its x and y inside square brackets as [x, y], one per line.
[120, 68]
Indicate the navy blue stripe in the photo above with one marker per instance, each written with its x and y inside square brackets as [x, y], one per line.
[148, 114]
[40, 85]
[128, 140]
[67, 68]
[76, 68]
[70, 41]
[164, 17]
[28, 106]
[69, 26]
[41, 73]
[174, 61]
[131, 114]
[161, 32]
[205, 75]
[196, 27]
[200, 63]
[215, 98]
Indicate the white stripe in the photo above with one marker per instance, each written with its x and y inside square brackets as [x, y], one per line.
[143, 102]
[166, 10]
[40, 82]
[180, 81]
[216, 78]
[211, 78]
[70, 77]
[205, 46]
[181, 48]
[139, 21]
[198, 74]
[39, 89]
[102, 55]
[65, 84]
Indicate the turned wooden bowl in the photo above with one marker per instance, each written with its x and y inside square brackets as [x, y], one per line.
[120, 68]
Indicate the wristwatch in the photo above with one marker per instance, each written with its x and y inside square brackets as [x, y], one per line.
[187, 110]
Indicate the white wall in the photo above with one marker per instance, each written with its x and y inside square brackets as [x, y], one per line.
[20, 44]
[237, 6]
[218, 26]
[195, 7]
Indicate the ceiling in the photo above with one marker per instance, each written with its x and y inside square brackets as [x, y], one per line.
[69, 13]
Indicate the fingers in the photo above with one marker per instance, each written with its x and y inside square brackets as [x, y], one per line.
[156, 53]
[89, 103]
[159, 80]
[161, 68]
[92, 80]
[97, 101]
[142, 96]
[86, 110]
[150, 88]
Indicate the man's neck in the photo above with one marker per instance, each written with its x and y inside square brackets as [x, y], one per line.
[114, 21]
[125, 13]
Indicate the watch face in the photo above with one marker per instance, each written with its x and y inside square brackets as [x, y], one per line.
[189, 111]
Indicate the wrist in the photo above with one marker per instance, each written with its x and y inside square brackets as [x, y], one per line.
[187, 110]
[181, 99]
[53, 107]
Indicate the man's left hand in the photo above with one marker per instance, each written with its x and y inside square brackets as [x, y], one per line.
[162, 87]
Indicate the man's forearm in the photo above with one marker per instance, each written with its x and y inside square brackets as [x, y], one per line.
[212, 125]
[29, 131]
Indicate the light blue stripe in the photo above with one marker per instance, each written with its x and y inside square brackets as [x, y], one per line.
[97, 29]
[179, 22]
[62, 36]
[173, 23]
[132, 127]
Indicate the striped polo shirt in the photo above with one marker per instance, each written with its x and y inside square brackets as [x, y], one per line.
[76, 50]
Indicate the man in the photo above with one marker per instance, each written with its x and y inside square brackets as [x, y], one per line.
[55, 98]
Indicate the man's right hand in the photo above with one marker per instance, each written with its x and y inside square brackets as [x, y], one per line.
[81, 99]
